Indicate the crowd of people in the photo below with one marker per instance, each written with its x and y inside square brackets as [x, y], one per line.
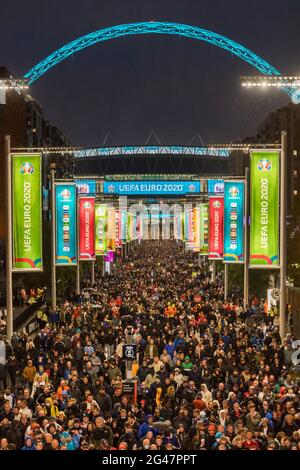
[204, 377]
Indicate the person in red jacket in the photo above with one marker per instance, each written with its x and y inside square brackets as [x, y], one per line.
[250, 443]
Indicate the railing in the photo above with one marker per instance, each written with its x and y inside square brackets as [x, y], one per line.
[22, 320]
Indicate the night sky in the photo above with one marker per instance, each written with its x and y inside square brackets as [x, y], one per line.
[130, 86]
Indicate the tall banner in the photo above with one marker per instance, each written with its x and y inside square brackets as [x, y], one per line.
[188, 225]
[123, 223]
[216, 227]
[118, 240]
[196, 229]
[132, 227]
[204, 228]
[27, 212]
[234, 209]
[264, 213]
[86, 209]
[178, 226]
[100, 229]
[66, 224]
[111, 228]
[128, 227]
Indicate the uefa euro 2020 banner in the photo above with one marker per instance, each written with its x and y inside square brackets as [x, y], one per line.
[66, 224]
[204, 228]
[196, 229]
[27, 212]
[100, 229]
[178, 232]
[123, 225]
[188, 226]
[234, 203]
[118, 241]
[264, 213]
[216, 227]
[111, 228]
[86, 209]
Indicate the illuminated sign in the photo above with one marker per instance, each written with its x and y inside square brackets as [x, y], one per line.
[151, 187]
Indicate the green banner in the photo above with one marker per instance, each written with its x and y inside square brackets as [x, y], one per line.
[264, 213]
[27, 212]
[204, 228]
[100, 229]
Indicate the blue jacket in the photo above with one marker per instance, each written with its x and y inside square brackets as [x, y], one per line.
[145, 427]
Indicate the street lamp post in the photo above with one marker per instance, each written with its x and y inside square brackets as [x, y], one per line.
[93, 273]
[214, 270]
[226, 268]
[53, 239]
[283, 192]
[246, 240]
[9, 251]
[78, 255]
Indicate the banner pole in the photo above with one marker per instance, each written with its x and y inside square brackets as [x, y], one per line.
[93, 273]
[199, 261]
[226, 274]
[78, 251]
[53, 240]
[78, 278]
[9, 251]
[283, 193]
[246, 240]
[214, 270]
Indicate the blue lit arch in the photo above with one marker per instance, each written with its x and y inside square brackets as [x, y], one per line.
[154, 27]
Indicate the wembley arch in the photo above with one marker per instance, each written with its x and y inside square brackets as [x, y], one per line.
[152, 27]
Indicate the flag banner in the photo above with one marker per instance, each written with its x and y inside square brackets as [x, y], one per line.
[196, 229]
[123, 227]
[216, 227]
[66, 224]
[118, 240]
[132, 227]
[139, 227]
[109, 257]
[27, 212]
[128, 227]
[86, 209]
[100, 229]
[188, 226]
[204, 229]
[264, 209]
[234, 210]
[111, 228]
[178, 226]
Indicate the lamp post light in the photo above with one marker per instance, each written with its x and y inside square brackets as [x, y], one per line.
[17, 84]
[285, 83]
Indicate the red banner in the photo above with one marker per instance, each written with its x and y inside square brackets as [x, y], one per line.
[216, 227]
[86, 211]
[118, 242]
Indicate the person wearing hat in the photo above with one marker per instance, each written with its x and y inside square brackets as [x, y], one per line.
[187, 365]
